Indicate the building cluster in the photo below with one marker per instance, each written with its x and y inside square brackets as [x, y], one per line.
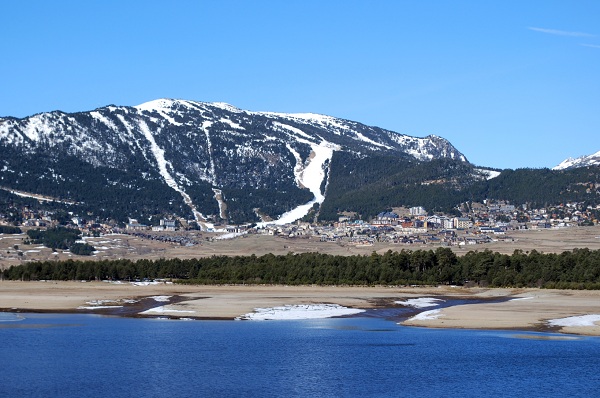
[477, 223]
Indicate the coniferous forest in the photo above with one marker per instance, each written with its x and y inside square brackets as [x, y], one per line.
[577, 269]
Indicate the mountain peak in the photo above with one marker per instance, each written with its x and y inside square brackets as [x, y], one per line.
[273, 164]
[582, 161]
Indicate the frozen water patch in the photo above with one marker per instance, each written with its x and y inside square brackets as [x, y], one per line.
[576, 321]
[300, 311]
[422, 302]
[10, 317]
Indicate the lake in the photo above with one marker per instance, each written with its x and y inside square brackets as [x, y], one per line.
[71, 355]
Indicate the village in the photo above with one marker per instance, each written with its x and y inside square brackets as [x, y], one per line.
[478, 223]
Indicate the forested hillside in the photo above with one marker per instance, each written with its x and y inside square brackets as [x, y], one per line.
[371, 185]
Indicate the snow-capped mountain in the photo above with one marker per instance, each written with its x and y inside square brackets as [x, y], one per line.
[211, 158]
[583, 161]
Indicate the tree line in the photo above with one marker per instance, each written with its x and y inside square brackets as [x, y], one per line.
[577, 269]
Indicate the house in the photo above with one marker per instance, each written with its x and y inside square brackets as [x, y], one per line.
[386, 218]
[168, 225]
[462, 222]
[134, 225]
[417, 211]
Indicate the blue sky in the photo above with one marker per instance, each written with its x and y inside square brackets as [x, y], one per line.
[510, 83]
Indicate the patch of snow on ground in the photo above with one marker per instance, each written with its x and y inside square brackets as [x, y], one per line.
[521, 298]
[323, 120]
[300, 311]
[231, 235]
[310, 177]
[161, 106]
[231, 123]
[489, 174]
[422, 302]
[145, 283]
[159, 156]
[35, 196]
[426, 315]
[98, 307]
[370, 141]
[163, 310]
[294, 130]
[161, 298]
[576, 321]
[219, 198]
[103, 119]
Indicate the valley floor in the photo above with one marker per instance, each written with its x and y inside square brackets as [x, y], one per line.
[13, 251]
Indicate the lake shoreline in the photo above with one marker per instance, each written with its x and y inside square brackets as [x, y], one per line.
[491, 309]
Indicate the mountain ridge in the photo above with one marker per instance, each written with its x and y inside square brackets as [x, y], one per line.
[204, 151]
[582, 161]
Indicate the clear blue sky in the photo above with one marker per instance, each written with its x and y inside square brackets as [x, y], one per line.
[510, 83]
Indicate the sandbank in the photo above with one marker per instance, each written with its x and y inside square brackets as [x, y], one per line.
[524, 309]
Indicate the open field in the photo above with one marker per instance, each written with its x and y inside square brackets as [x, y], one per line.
[529, 309]
[133, 247]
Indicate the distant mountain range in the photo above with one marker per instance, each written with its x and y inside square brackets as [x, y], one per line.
[583, 161]
[216, 163]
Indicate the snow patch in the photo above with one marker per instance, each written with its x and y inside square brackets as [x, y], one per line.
[309, 176]
[521, 298]
[422, 302]
[300, 311]
[160, 298]
[582, 161]
[159, 156]
[370, 141]
[489, 174]
[426, 316]
[98, 307]
[231, 123]
[231, 235]
[219, 198]
[165, 309]
[576, 321]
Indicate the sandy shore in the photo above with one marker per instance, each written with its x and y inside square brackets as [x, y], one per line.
[529, 309]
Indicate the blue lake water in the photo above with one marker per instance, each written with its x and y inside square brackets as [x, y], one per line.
[97, 356]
